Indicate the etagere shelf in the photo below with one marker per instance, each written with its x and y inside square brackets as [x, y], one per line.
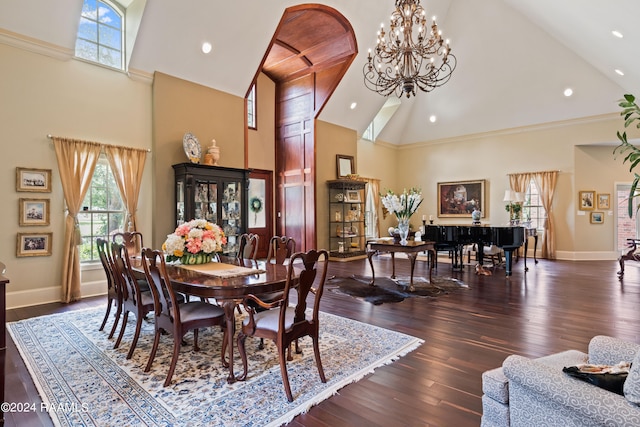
[346, 219]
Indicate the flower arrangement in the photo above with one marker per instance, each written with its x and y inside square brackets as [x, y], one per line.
[197, 237]
[404, 205]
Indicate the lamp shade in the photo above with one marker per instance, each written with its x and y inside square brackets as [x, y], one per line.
[509, 196]
[519, 197]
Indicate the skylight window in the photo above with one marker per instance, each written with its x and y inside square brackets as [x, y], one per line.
[100, 34]
[381, 119]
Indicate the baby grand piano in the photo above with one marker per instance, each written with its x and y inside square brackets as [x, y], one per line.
[509, 238]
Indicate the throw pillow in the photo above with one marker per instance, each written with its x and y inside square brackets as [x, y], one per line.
[632, 385]
[608, 377]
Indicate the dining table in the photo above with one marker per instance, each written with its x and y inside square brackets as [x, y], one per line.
[228, 280]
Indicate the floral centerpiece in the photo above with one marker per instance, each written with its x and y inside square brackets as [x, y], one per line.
[403, 206]
[194, 242]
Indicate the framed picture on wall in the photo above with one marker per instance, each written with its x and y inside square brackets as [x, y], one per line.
[34, 180]
[460, 198]
[33, 244]
[344, 166]
[586, 200]
[604, 201]
[597, 217]
[34, 212]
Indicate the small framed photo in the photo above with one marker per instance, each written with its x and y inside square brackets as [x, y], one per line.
[34, 244]
[597, 217]
[604, 201]
[34, 212]
[586, 200]
[353, 196]
[33, 180]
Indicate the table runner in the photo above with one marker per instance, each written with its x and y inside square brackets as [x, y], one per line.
[220, 269]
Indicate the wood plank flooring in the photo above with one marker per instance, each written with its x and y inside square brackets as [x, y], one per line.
[557, 305]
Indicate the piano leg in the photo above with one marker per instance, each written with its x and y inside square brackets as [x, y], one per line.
[508, 256]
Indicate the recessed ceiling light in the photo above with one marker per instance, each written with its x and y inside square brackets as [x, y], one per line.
[618, 34]
[619, 72]
[206, 47]
[354, 105]
[568, 92]
[433, 119]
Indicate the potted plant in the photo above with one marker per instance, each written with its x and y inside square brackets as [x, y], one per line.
[631, 113]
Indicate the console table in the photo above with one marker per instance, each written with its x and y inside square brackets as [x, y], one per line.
[411, 248]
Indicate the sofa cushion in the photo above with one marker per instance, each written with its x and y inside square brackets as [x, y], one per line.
[632, 384]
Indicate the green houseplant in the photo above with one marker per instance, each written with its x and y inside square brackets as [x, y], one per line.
[631, 113]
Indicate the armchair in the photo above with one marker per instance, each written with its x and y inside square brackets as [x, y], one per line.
[535, 392]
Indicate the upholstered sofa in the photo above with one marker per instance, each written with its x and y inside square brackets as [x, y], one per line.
[536, 392]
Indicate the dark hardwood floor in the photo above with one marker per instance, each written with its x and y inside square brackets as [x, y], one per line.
[557, 305]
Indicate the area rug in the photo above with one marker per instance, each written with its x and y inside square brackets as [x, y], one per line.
[393, 290]
[83, 381]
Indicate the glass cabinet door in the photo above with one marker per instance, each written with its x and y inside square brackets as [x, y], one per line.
[232, 213]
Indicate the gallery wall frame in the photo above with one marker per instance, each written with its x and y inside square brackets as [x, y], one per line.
[33, 244]
[33, 180]
[33, 212]
[586, 200]
[596, 218]
[458, 199]
[604, 201]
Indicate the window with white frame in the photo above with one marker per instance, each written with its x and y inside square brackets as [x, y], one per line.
[251, 108]
[532, 209]
[103, 212]
[101, 34]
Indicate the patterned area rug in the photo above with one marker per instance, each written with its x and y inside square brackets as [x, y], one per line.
[85, 382]
[393, 290]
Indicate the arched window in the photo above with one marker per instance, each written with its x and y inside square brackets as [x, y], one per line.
[100, 34]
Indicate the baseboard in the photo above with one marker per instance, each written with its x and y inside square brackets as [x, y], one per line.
[587, 256]
[17, 299]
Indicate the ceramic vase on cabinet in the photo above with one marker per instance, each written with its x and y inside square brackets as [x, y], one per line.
[214, 151]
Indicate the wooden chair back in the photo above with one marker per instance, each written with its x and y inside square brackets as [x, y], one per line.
[123, 273]
[107, 263]
[248, 247]
[164, 297]
[280, 249]
[131, 239]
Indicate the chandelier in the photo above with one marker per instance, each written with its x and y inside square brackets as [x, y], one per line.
[408, 57]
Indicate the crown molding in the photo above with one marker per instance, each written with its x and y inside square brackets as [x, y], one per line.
[140, 75]
[35, 45]
[512, 131]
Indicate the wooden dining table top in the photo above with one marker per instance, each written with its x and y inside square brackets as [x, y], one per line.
[271, 279]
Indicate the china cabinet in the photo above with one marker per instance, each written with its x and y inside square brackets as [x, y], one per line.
[217, 194]
[346, 219]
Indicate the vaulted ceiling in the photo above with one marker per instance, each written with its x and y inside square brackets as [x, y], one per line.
[515, 57]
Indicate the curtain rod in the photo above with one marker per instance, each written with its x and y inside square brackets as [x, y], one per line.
[103, 144]
[522, 173]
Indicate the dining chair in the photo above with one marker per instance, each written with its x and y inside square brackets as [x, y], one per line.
[248, 247]
[131, 239]
[134, 243]
[134, 300]
[114, 295]
[280, 249]
[174, 316]
[284, 324]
